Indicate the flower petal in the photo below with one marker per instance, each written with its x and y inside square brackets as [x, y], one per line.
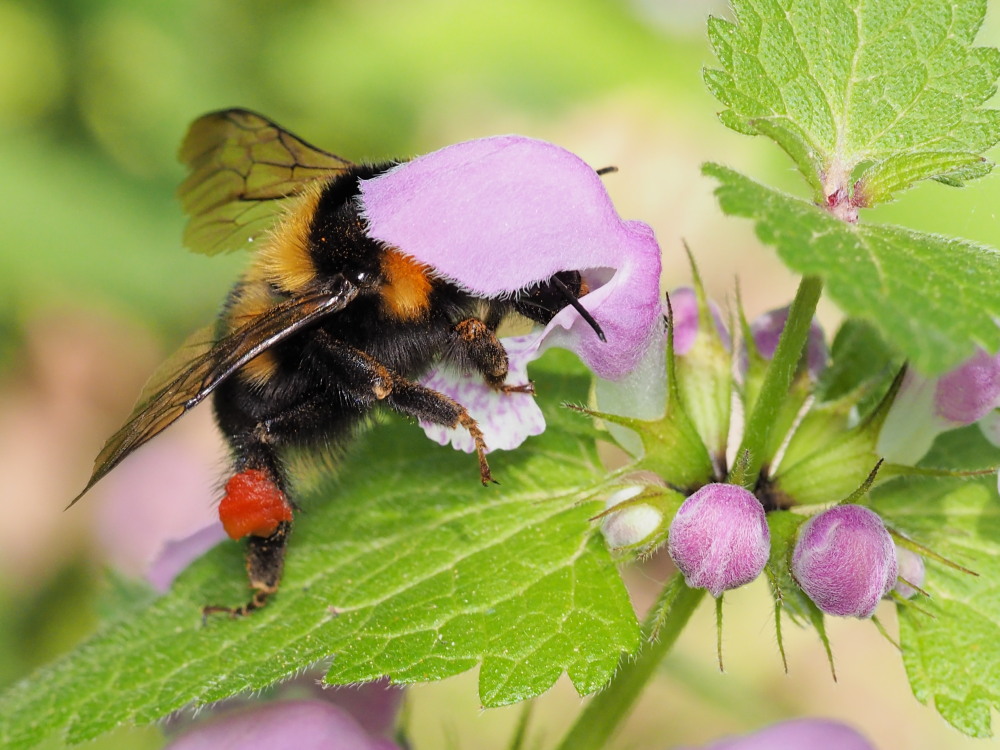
[767, 330]
[306, 725]
[970, 391]
[816, 734]
[496, 215]
[506, 419]
[177, 554]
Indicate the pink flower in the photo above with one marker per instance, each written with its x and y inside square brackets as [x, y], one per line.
[911, 568]
[925, 407]
[632, 524]
[304, 725]
[767, 329]
[719, 538]
[814, 734]
[497, 215]
[176, 555]
[845, 560]
[684, 305]
[968, 393]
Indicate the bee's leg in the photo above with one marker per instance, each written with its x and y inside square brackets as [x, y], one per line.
[255, 506]
[424, 403]
[366, 380]
[479, 346]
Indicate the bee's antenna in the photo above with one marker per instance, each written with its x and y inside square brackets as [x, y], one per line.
[606, 170]
[575, 302]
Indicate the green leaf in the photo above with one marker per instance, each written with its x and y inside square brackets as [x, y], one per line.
[859, 357]
[964, 449]
[951, 650]
[881, 181]
[403, 566]
[934, 298]
[839, 84]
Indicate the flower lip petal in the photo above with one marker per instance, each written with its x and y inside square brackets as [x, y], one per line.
[499, 214]
[506, 419]
[458, 210]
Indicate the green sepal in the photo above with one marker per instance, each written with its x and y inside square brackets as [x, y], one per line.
[704, 378]
[672, 447]
[862, 366]
[788, 596]
[823, 463]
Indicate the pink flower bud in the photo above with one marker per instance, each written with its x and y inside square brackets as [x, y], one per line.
[925, 407]
[966, 394]
[632, 524]
[912, 568]
[684, 304]
[767, 330]
[845, 561]
[719, 538]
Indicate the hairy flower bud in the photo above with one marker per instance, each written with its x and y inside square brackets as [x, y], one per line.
[719, 538]
[767, 329]
[684, 304]
[925, 407]
[845, 560]
[632, 524]
[911, 570]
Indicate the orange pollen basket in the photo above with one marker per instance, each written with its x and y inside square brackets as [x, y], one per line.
[253, 504]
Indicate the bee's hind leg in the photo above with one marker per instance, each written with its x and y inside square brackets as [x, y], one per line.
[255, 506]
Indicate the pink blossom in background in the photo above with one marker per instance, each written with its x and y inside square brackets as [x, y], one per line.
[684, 305]
[162, 494]
[797, 734]
[303, 725]
[176, 555]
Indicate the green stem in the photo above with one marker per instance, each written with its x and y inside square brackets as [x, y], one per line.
[606, 710]
[777, 381]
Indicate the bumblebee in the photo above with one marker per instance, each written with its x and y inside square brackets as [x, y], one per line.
[326, 325]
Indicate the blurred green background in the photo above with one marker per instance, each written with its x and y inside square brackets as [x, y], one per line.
[95, 288]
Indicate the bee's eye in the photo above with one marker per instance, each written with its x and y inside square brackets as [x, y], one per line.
[360, 277]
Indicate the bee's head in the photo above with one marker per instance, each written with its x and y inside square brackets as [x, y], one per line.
[339, 246]
[543, 301]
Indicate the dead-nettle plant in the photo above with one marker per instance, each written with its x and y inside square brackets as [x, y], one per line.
[862, 475]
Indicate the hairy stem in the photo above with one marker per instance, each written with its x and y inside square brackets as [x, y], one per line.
[777, 381]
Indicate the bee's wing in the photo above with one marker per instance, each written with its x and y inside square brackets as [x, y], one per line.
[198, 377]
[244, 170]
